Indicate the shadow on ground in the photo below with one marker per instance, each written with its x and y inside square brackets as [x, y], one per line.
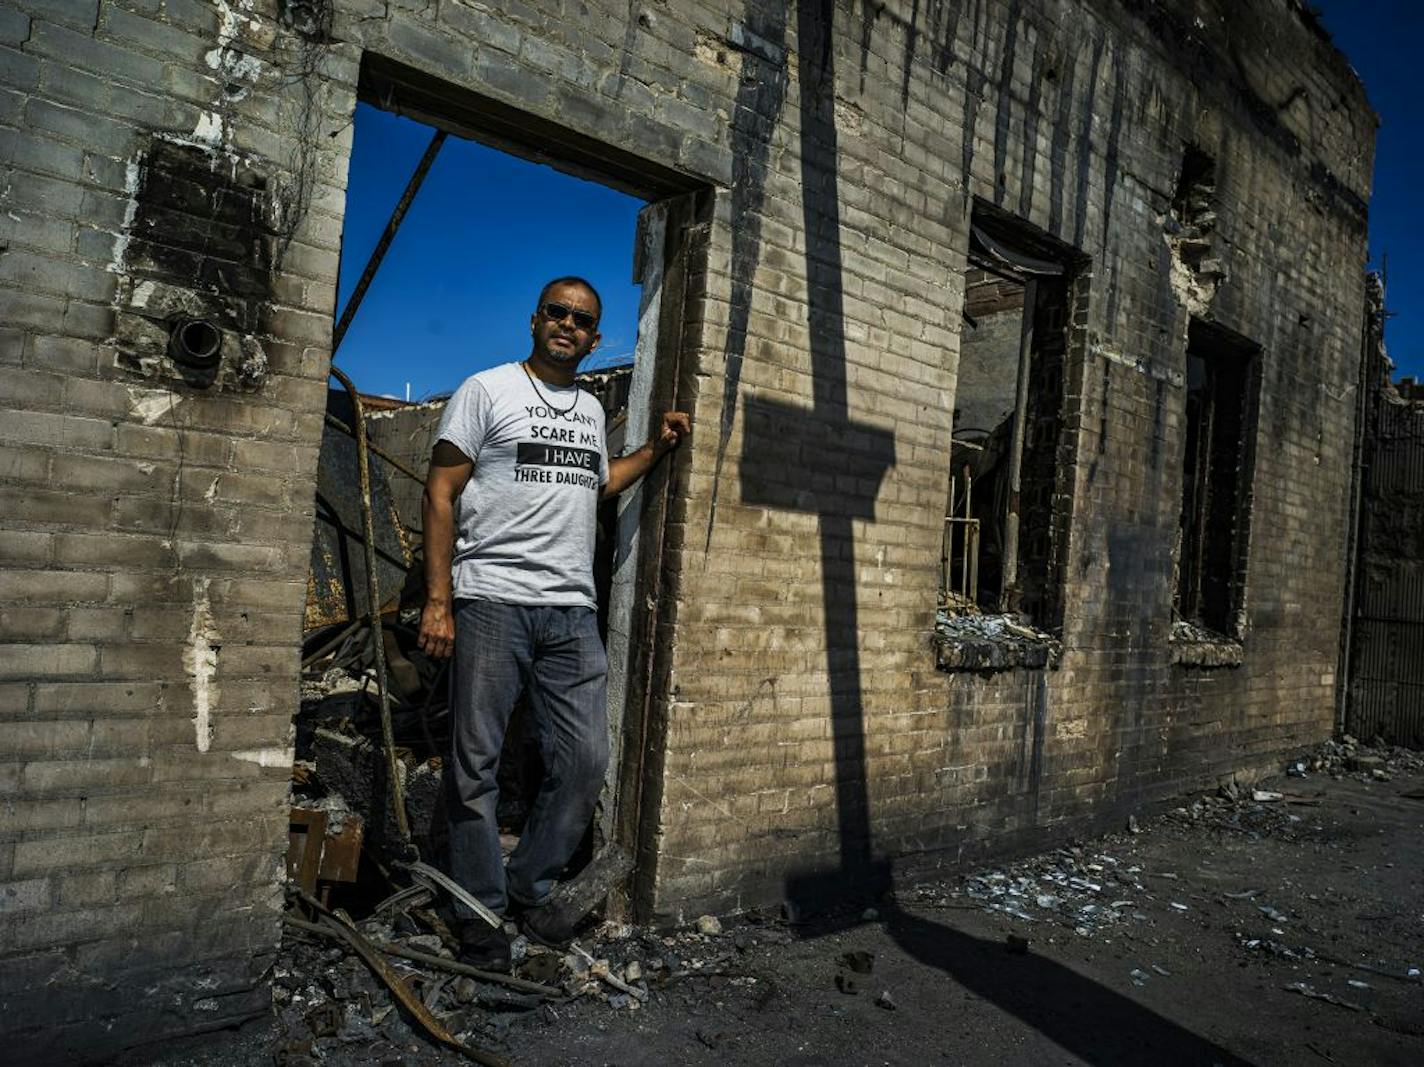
[1083, 1016]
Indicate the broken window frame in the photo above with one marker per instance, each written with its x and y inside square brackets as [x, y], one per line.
[1213, 535]
[1009, 247]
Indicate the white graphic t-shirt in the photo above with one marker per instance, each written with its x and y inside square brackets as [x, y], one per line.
[525, 522]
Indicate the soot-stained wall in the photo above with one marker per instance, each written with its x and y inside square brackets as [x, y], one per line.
[809, 738]
[155, 522]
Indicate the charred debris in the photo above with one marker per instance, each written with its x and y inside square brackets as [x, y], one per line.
[367, 983]
[367, 835]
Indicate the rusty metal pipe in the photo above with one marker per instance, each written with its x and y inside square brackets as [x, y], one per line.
[373, 595]
[195, 343]
[946, 549]
[968, 514]
[973, 532]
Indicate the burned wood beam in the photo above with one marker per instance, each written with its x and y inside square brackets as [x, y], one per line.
[387, 236]
[332, 927]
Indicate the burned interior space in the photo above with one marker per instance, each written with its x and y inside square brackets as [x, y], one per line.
[999, 561]
[1023, 343]
[342, 779]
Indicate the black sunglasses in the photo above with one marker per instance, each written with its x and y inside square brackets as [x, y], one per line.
[584, 320]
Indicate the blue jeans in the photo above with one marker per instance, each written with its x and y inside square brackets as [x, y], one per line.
[500, 649]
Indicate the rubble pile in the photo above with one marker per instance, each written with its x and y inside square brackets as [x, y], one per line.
[340, 750]
[326, 1000]
[330, 1005]
[1094, 892]
[387, 986]
[341, 760]
[1198, 646]
[369, 970]
[1378, 761]
[327, 997]
[968, 639]
[1241, 809]
[1076, 889]
[1258, 811]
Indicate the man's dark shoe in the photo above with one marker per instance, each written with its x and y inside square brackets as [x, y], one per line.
[551, 925]
[485, 948]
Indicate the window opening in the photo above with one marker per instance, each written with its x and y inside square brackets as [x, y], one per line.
[998, 549]
[1220, 410]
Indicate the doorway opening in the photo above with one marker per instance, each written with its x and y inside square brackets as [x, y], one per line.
[499, 203]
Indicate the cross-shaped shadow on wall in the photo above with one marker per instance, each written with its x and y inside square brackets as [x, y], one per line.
[818, 460]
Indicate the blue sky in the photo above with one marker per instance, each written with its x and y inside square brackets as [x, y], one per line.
[1383, 39]
[461, 278]
[457, 287]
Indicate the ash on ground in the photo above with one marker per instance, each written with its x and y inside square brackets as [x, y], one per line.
[1161, 896]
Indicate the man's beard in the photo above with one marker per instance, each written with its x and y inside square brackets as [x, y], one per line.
[564, 358]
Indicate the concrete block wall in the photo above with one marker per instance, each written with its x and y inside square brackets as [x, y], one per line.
[155, 524]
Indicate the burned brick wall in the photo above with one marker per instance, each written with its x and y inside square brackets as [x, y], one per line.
[196, 263]
[155, 524]
[1208, 162]
[173, 179]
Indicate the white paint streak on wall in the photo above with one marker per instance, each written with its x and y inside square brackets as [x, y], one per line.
[226, 58]
[200, 660]
[133, 173]
[267, 757]
[143, 292]
[234, 64]
[209, 130]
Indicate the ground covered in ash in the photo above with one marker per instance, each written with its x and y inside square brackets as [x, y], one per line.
[1280, 922]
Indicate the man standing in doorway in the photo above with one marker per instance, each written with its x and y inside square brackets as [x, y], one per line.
[516, 474]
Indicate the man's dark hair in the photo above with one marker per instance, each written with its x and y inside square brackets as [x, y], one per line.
[571, 279]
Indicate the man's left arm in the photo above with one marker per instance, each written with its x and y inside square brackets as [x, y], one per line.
[626, 470]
